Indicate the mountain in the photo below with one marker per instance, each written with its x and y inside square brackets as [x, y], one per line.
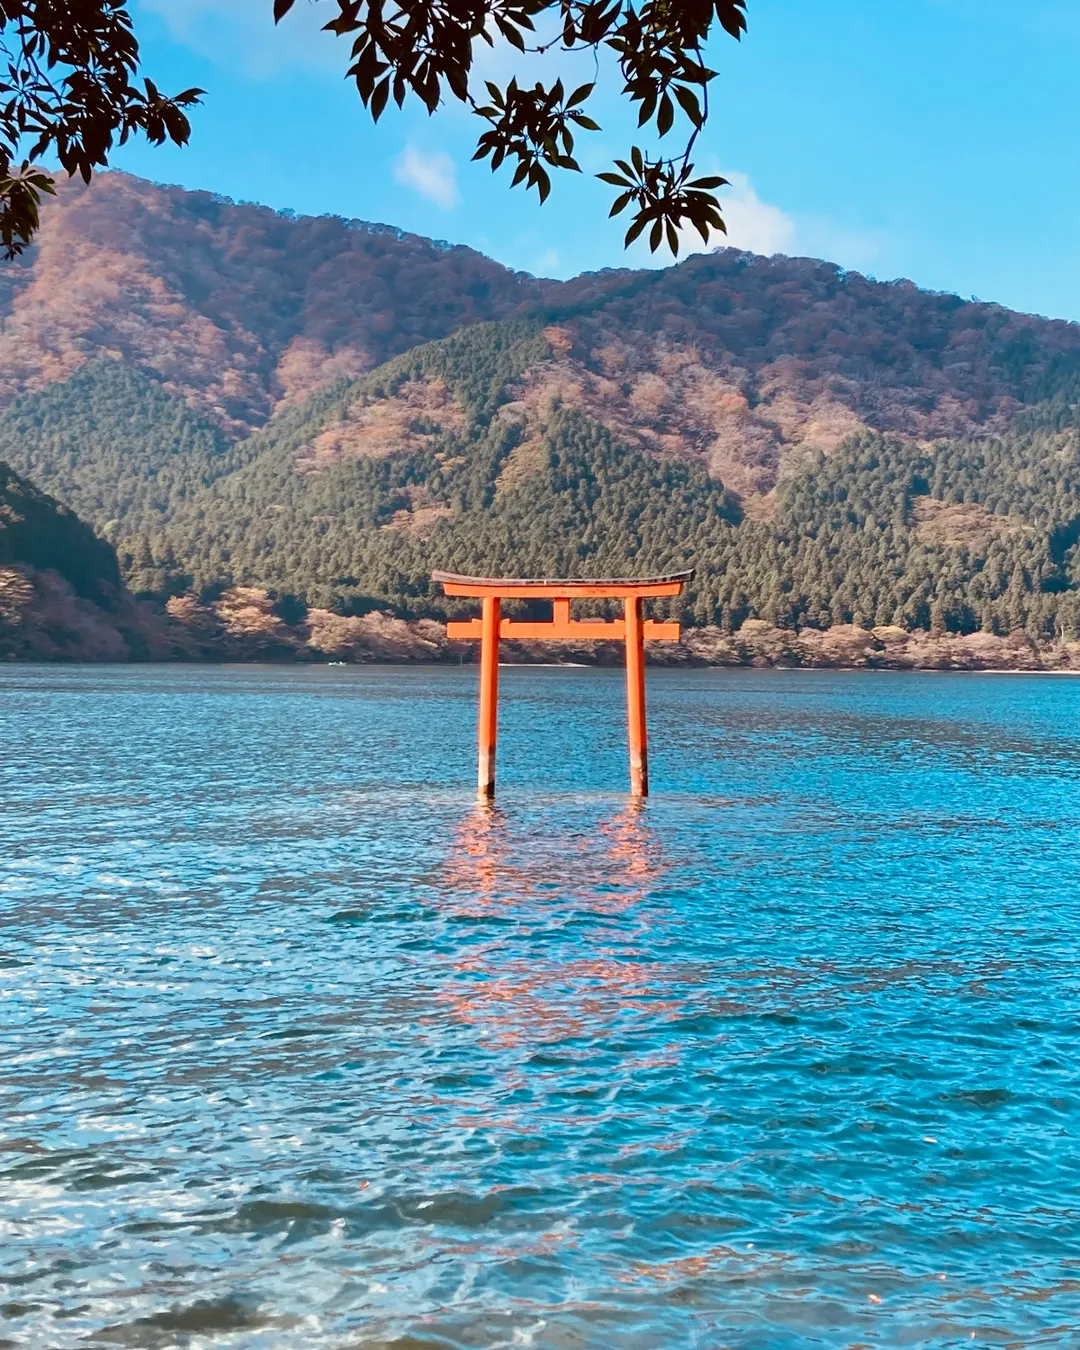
[236, 308]
[38, 532]
[241, 311]
[60, 589]
[443, 458]
[234, 398]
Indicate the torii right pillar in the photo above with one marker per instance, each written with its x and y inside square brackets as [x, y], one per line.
[635, 697]
[633, 628]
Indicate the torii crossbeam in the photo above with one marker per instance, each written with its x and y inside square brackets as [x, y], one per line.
[632, 629]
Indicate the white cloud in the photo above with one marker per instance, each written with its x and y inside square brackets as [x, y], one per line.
[432, 175]
[243, 33]
[751, 223]
[851, 248]
[754, 225]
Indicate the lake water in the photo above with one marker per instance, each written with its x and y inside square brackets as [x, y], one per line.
[300, 1049]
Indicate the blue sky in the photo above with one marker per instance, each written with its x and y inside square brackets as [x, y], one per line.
[933, 139]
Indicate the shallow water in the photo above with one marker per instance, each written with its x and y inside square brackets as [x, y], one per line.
[299, 1049]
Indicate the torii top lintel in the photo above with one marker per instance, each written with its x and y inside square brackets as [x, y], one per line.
[550, 588]
[561, 592]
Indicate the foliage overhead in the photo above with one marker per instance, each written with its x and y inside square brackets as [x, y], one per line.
[72, 89]
[426, 48]
[69, 89]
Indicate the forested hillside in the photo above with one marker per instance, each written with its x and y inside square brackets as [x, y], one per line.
[114, 444]
[61, 593]
[235, 307]
[41, 533]
[825, 449]
[435, 460]
[958, 534]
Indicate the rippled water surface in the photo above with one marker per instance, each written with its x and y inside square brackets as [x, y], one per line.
[300, 1049]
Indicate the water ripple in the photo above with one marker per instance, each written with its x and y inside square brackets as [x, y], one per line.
[303, 1050]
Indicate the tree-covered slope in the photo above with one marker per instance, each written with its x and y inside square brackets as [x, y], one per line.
[330, 509]
[236, 307]
[436, 460]
[743, 362]
[38, 532]
[956, 535]
[114, 445]
[823, 448]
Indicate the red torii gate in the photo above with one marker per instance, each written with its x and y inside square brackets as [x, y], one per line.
[633, 629]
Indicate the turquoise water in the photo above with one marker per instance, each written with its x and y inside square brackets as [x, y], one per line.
[299, 1049]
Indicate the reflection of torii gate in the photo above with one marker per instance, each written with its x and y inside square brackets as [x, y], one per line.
[633, 630]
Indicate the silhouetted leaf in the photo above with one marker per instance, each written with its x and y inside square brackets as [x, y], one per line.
[417, 48]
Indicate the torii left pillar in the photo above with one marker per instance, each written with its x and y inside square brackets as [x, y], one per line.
[633, 628]
[488, 729]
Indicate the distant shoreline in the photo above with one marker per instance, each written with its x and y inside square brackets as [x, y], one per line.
[43, 619]
[390, 663]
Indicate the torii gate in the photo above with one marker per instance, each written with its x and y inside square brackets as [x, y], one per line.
[633, 629]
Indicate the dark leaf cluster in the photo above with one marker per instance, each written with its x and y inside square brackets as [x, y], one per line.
[665, 195]
[69, 89]
[426, 48]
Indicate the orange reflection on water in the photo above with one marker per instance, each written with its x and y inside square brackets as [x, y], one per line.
[722, 1261]
[607, 868]
[597, 973]
[527, 1004]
